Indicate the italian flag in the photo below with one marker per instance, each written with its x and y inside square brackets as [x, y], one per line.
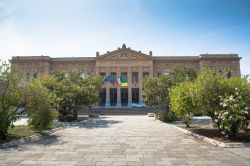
[124, 84]
[122, 81]
[118, 81]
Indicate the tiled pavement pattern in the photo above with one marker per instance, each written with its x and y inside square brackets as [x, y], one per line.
[120, 140]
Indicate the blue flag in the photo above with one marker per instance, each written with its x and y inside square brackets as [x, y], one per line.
[106, 78]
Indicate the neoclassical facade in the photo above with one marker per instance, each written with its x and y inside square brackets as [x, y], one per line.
[129, 64]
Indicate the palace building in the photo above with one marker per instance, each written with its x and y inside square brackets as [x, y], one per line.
[124, 69]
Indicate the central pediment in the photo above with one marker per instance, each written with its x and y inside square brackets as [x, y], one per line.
[124, 53]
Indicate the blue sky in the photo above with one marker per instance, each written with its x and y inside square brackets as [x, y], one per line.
[66, 28]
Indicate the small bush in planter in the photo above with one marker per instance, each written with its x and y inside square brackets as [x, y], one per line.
[168, 116]
[39, 104]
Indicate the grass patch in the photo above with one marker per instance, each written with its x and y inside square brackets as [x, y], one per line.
[208, 131]
[22, 131]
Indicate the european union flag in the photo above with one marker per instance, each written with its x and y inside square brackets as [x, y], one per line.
[106, 78]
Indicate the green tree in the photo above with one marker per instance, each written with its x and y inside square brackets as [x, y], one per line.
[182, 103]
[151, 91]
[12, 89]
[72, 91]
[156, 90]
[182, 74]
[207, 89]
[39, 103]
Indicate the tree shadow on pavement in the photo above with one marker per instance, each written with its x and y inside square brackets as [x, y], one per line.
[92, 123]
[42, 140]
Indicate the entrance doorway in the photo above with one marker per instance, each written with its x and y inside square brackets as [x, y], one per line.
[113, 96]
[124, 96]
[102, 97]
[135, 95]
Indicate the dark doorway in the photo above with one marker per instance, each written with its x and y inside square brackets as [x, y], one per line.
[103, 97]
[124, 96]
[135, 95]
[113, 96]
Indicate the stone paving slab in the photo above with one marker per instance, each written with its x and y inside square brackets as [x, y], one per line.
[121, 140]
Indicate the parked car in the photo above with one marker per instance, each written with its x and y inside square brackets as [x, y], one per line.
[137, 105]
[21, 111]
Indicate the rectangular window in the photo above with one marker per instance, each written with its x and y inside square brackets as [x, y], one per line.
[158, 74]
[102, 97]
[35, 75]
[135, 95]
[134, 76]
[90, 72]
[124, 96]
[145, 74]
[229, 74]
[81, 75]
[102, 74]
[27, 77]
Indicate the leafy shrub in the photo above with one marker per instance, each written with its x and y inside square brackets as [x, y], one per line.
[40, 106]
[233, 116]
[7, 118]
[66, 118]
[156, 90]
[242, 85]
[206, 91]
[11, 94]
[168, 116]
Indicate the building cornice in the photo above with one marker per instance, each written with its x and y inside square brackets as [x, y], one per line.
[70, 59]
[154, 58]
[219, 56]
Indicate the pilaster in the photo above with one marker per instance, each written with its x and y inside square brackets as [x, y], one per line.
[130, 84]
[140, 74]
[107, 104]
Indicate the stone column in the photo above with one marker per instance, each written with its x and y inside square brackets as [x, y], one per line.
[107, 104]
[96, 71]
[118, 74]
[151, 72]
[46, 69]
[140, 73]
[237, 71]
[130, 84]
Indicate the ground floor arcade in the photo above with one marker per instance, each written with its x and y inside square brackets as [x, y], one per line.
[120, 96]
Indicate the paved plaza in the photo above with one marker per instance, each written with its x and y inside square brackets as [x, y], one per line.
[121, 140]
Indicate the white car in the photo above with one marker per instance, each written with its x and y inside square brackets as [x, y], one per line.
[136, 105]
